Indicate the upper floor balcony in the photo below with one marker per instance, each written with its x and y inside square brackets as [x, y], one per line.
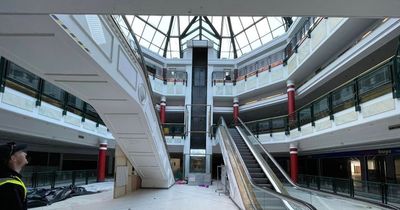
[363, 110]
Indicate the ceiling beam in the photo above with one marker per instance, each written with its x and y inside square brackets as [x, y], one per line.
[232, 38]
[168, 37]
[285, 8]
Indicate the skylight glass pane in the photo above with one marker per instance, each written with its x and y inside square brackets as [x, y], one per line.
[183, 23]
[164, 24]
[262, 27]
[225, 28]
[242, 40]
[257, 43]
[216, 21]
[236, 25]
[210, 37]
[148, 33]
[138, 26]
[154, 20]
[129, 18]
[246, 21]
[208, 28]
[144, 17]
[224, 54]
[274, 23]
[174, 30]
[174, 42]
[252, 34]
[278, 32]
[255, 19]
[246, 49]
[225, 44]
[266, 38]
[154, 48]
[158, 39]
[144, 43]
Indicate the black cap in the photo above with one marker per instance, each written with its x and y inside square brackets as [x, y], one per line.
[7, 150]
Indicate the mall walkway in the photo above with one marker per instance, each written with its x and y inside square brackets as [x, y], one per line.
[178, 197]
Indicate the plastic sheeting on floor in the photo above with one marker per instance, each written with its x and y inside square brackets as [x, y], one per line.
[44, 197]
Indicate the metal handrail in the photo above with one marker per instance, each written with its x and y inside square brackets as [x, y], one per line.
[268, 191]
[240, 168]
[377, 66]
[307, 189]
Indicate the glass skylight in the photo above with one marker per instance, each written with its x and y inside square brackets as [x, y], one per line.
[231, 36]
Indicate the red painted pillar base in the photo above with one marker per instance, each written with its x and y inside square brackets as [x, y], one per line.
[235, 110]
[101, 163]
[293, 163]
[163, 104]
[291, 102]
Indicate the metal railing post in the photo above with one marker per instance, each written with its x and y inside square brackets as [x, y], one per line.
[73, 177]
[351, 187]
[3, 69]
[334, 186]
[356, 96]
[86, 177]
[53, 179]
[39, 93]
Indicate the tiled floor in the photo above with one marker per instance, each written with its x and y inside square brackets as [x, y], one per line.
[178, 197]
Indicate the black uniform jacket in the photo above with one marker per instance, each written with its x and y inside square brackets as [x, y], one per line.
[12, 196]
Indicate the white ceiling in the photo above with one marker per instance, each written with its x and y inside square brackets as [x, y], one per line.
[337, 8]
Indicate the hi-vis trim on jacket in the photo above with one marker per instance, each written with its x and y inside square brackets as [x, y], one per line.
[13, 180]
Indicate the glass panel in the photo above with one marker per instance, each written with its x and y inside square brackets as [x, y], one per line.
[22, 76]
[343, 98]
[53, 91]
[321, 108]
[374, 80]
[75, 102]
[305, 116]
[397, 169]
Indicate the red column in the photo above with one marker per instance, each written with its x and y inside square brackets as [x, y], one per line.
[235, 110]
[293, 163]
[163, 104]
[101, 163]
[291, 101]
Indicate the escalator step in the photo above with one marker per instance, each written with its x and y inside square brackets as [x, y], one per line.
[261, 181]
[251, 165]
[255, 170]
[265, 185]
[258, 175]
[249, 161]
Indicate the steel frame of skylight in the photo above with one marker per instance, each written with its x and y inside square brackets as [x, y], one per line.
[202, 31]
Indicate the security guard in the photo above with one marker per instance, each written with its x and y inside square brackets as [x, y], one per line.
[12, 188]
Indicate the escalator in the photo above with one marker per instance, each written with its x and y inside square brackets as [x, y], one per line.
[250, 187]
[254, 168]
[265, 173]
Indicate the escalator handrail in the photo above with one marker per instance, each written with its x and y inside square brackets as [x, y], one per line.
[223, 126]
[268, 191]
[308, 189]
[268, 154]
[277, 184]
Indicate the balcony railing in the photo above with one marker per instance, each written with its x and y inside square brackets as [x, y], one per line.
[17, 78]
[174, 129]
[379, 191]
[59, 178]
[300, 36]
[378, 81]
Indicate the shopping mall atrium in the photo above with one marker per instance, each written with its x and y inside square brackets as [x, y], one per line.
[277, 104]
